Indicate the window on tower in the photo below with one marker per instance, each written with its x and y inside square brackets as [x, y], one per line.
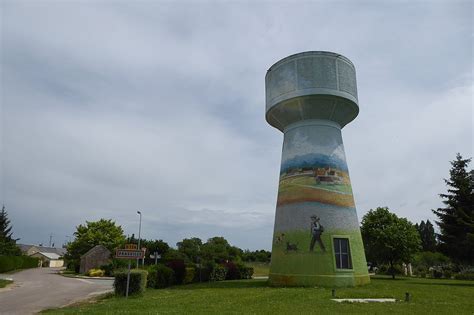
[343, 253]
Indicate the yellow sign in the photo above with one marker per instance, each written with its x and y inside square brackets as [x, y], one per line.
[131, 246]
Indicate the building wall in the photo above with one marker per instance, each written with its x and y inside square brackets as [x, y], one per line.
[315, 145]
[94, 259]
[56, 263]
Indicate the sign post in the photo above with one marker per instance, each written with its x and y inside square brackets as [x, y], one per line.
[130, 252]
[128, 279]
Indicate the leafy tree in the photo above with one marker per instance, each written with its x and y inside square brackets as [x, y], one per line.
[103, 232]
[388, 238]
[427, 236]
[190, 247]
[261, 255]
[218, 250]
[456, 220]
[152, 246]
[7, 242]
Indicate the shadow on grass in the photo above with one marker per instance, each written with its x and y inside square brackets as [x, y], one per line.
[229, 284]
[445, 283]
[382, 277]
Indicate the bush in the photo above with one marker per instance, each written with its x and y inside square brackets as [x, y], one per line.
[9, 263]
[245, 272]
[179, 269]
[435, 273]
[218, 273]
[189, 277]
[138, 279]
[421, 271]
[430, 259]
[95, 273]
[232, 271]
[387, 270]
[114, 265]
[447, 274]
[108, 270]
[29, 262]
[464, 276]
[160, 276]
[202, 274]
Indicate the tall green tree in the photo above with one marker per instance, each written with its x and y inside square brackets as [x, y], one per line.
[456, 220]
[427, 236]
[7, 242]
[190, 247]
[388, 238]
[103, 232]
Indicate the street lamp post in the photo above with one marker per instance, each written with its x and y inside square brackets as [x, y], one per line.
[139, 231]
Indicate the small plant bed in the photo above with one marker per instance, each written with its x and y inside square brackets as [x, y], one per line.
[436, 296]
[4, 283]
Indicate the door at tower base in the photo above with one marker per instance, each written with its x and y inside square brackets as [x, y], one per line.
[317, 240]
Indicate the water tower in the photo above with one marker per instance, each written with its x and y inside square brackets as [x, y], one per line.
[310, 97]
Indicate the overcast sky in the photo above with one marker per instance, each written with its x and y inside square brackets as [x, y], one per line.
[111, 107]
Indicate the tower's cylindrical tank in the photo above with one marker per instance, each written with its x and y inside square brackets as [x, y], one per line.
[309, 97]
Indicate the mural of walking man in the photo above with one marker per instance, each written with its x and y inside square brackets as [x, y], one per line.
[316, 230]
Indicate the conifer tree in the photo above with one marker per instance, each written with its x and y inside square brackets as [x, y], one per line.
[7, 243]
[427, 236]
[456, 220]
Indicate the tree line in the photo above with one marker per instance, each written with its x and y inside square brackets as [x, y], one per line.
[391, 240]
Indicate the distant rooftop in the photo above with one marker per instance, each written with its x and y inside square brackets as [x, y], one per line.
[43, 249]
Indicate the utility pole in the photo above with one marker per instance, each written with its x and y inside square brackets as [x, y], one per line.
[50, 239]
[139, 231]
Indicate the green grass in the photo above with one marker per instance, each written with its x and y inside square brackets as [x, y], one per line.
[259, 269]
[4, 283]
[429, 296]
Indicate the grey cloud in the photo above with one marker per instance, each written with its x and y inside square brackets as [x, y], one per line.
[111, 107]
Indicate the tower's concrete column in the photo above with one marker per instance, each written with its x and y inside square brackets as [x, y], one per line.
[310, 97]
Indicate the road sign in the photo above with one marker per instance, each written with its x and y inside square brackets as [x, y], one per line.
[129, 254]
[131, 246]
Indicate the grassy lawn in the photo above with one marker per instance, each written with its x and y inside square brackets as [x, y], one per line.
[4, 283]
[429, 296]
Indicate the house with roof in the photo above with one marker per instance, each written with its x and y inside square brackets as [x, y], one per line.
[49, 259]
[48, 256]
[96, 257]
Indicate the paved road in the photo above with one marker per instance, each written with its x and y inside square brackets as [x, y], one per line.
[36, 289]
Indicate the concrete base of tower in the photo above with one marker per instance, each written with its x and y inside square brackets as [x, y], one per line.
[330, 281]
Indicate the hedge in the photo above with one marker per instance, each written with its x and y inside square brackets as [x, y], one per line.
[160, 276]
[179, 269]
[189, 277]
[218, 273]
[9, 263]
[464, 276]
[138, 279]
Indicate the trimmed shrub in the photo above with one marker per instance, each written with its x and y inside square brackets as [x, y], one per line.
[202, 274]
[96, 273]
[137, 285]
[160, 276]
[6, 263]
[189, 277]
[29, 262]
[179, 269]
[9, 263]
[218, 273]
[232, 271]
[245, 272]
